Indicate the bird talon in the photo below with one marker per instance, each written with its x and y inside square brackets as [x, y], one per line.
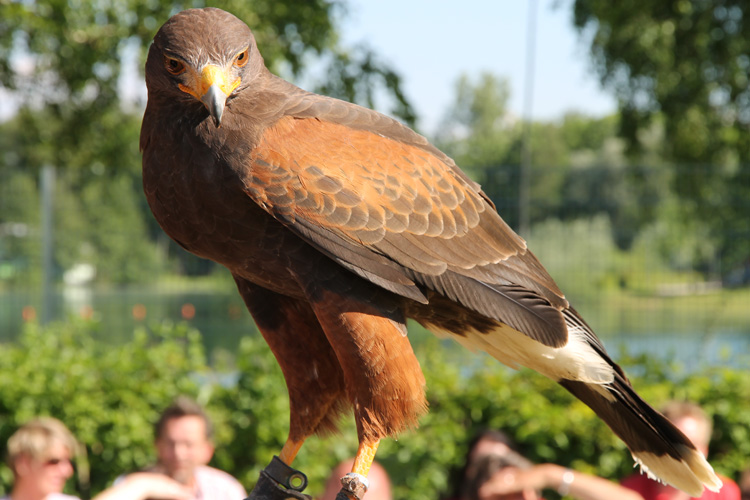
[346, 495]
[353, 487]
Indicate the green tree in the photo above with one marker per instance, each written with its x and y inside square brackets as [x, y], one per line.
[568, 157]
[68, 56]
[63, 62]
[18, 205]
[549, 167]
[479, 133]
[477, 130]
[683, 65]
[586, 134]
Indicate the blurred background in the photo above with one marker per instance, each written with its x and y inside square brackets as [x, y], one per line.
[615, 140]
[613, 136]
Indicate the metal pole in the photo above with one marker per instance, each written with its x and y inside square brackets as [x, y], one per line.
[47, 195]
[525, 173]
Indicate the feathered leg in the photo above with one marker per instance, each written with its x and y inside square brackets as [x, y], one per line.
[316, 390]
[383, 379]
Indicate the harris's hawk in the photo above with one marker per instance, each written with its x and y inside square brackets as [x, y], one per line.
[338, 223]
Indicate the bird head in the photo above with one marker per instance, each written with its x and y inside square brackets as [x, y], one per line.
[205, 55]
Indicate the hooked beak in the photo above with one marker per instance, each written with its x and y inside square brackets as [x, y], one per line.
[214, 100]
[212, 89]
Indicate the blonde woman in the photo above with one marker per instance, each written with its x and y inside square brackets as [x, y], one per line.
[39, 454]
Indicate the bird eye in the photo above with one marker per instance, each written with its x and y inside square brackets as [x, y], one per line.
[241, 58]
[174, 66]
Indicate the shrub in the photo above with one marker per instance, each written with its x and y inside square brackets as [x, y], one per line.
[110, 396]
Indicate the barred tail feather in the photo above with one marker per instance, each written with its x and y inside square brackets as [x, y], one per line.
[661, 450]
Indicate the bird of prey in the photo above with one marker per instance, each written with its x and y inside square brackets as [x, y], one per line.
[338, 223]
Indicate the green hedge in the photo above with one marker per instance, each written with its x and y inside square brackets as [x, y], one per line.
[109, 395]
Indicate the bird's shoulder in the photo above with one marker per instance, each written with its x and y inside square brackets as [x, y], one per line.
[282, 99]
[332, 164]
[345, 176]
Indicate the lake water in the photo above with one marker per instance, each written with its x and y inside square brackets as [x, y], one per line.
[223, 320]
[221, 317]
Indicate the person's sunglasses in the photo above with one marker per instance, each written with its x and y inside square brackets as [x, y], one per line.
[56, 461]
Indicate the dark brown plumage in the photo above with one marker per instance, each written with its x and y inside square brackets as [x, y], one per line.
[338, 223]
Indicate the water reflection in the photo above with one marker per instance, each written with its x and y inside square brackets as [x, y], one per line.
[223, 320]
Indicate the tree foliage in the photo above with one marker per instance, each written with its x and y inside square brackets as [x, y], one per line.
[686, 59]
[69, 67]
[578, 168]
[682, 66]
[110, 396]
[477, 130]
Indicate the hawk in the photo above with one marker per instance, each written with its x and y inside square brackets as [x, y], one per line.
[338, 223]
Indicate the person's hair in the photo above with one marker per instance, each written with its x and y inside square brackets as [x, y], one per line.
[480, 471]
[490, 435]
[183, 406]
[459, 477]
[676, 410]
[36, 437]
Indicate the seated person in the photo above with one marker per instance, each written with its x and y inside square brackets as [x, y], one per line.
[183, 447]
[39, 454]
[697, 426]
[494, 470]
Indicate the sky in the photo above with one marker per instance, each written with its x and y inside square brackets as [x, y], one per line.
[431, 43]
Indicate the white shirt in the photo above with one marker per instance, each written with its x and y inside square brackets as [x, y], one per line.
[210, 484]
[214, 484]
